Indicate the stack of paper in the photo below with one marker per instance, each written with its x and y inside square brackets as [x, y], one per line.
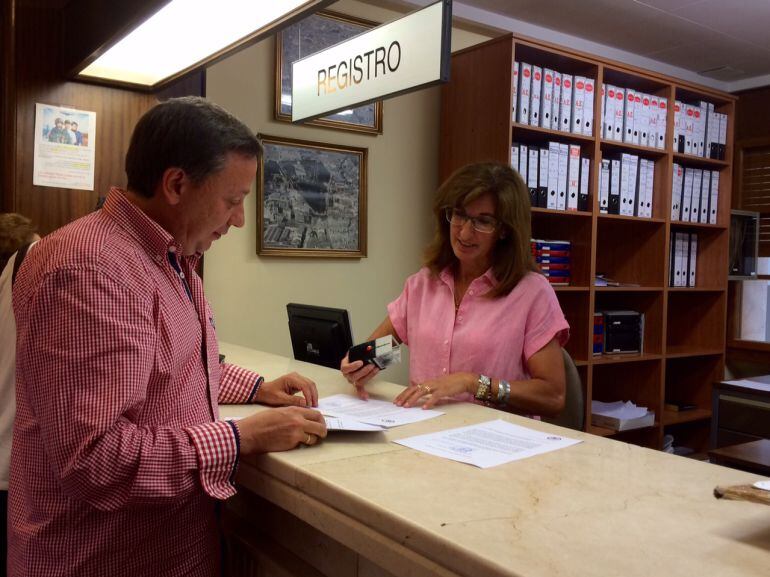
[620, 416]
[353, 414]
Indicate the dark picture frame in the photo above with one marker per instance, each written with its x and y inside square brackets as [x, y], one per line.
[311, 199]
[312, 34]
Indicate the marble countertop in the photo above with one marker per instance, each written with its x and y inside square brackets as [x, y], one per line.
[599, 508]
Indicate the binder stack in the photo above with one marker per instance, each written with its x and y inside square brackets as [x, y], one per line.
[626, 185]
[633, 117]
[553, 259]
[683, 259]
[694, 195]
[558, 177]
[699, 130]
[598, 343]
[551, 99]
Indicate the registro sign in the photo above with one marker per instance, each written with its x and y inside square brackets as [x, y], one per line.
[397, 57]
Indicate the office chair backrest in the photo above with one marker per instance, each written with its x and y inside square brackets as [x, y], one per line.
[573, 415]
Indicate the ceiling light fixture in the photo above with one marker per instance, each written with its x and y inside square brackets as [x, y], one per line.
[186, 34]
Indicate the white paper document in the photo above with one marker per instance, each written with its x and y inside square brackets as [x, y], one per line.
[749, 384]
[374, 412]
[618, 410]
[348, 424]
[487, 444]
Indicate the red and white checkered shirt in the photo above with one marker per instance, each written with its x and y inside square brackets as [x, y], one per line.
[118, 456]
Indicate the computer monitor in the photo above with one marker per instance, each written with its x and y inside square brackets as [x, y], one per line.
[319, 335]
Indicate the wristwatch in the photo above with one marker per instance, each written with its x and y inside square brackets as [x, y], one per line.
[485, 388]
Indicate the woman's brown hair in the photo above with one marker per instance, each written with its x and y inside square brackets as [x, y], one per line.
[512, 255]
[15, 231]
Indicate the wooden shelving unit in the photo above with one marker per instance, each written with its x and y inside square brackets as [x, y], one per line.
[684, 341]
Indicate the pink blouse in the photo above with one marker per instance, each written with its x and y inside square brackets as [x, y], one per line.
[494, 337]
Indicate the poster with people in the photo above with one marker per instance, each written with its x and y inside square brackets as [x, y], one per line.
[65, 142]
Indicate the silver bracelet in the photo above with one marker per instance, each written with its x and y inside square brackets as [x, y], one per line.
[500, 391]
[507, 395]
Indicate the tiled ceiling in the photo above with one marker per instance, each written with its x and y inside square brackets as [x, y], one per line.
[727, 40]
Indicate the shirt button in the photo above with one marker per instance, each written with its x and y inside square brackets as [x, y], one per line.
[460, 319]
[443, 371]
[470, 292]
[446, 342]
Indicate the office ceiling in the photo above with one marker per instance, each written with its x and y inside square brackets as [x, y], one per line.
[726, 41]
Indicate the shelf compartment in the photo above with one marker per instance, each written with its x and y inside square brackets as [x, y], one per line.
[624, 358]
[614, 147]
[711, 261]
[529, 134]
[692, 161]
[696, 226]
[676, 352]
[693, 434]
[695, 322]
[638, 382]
[552, 225]
[575, 306]
[629, 250]
[650, 303]
[689, 381]
[679, 417]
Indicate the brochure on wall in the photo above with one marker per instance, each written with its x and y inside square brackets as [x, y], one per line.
[487, 444]
[65, 144]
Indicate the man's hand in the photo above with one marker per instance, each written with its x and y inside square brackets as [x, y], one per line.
[280, 430]
[280, 392]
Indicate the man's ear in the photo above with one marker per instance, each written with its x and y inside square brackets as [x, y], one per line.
[172, 184]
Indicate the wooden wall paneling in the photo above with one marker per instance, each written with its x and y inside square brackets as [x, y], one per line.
[468, 132]
[7, 103]
[38, 79]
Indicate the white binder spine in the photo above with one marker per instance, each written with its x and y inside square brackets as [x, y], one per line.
[535, 95]
[691, 269]
[604, 186]
[561, 190]
[556, 101]
[697, 181]
[588, 107]
[546, 102]
[585, 172]
[714, 203]
[608, 113]
[515, 89]
[544, 168]
[677, 182]
[662, 122]
[525, 87]
[687, 195]
[573, 177]
[641, 190]
[705, 196]
[515, 158]
[565, 107]
[554, 159]
[578, 104]
[628, 118]
[524, 162]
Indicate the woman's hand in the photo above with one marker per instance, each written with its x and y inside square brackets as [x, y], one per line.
[358, 374]
[281, 391]
[437, 389]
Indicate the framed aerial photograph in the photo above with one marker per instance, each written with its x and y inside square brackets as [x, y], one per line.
[311, 199]
[308, 36]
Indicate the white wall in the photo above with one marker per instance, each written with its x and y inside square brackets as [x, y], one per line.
[249, 293]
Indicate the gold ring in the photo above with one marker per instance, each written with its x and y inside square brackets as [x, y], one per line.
[307, 441]
[427, 389]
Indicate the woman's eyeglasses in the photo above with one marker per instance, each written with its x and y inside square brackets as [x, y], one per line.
[483, 223]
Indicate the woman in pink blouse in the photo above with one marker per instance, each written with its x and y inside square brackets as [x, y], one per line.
[481, 323]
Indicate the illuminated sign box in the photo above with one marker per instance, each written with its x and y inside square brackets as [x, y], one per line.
[395, 58]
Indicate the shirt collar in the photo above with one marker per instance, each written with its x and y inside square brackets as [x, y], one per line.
[155, 239]
[488, 278]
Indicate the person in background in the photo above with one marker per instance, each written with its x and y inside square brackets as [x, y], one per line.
[16, 232]
[76, 134]
[119, 456]
[68, 137]
[57, 133]
[481, 323]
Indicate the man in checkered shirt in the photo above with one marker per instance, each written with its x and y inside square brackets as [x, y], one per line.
[119, 456]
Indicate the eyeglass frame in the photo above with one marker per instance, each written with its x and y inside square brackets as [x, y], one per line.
[449, 212]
